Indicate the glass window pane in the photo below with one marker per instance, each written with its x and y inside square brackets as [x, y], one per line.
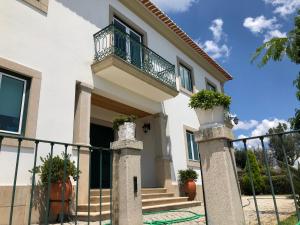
[195, 148]
[11, 97]
[185, 78]
[188, 140]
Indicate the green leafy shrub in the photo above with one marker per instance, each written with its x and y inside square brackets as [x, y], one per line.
[280, 183]
[57, 168]
[185, 175]
[258, 181]
[207, 99]
[120, 120]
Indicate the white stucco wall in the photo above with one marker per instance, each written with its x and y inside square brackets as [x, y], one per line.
[60, 45]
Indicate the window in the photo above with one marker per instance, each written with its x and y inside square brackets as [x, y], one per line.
[186, 78]
[128, 48]
[210, 86]
[12, 103]
[193, 152]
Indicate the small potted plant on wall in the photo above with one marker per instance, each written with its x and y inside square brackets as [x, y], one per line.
[187, 180]
[57, 182]
[210, 107]
[124, 126]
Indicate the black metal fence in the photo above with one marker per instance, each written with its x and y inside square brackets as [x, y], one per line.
[268, 155]
[44, 170]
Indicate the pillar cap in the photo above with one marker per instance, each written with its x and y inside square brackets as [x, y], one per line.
[213, 133]
[126, 144]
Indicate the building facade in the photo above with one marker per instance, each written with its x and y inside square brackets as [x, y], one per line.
[68, 68]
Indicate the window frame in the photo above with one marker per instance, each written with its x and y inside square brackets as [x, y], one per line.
[182, 63]
[210, 84]
[23, 106]
[188, 132]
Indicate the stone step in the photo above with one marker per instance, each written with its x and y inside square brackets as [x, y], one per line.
[95, 216]
[96, 192]
[95, 207]
[153, 190]
[106, 198]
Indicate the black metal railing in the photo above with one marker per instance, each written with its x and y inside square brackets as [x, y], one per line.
[53, 149]
[271, 156]
[112, 41]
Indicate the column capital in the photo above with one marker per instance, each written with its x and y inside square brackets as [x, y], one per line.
[127, 144]
[213, 133]
[84, 86]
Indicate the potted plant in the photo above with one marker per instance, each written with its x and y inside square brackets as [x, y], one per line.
[125, 127]
[57, 181]
[210, 107]
[187, 180]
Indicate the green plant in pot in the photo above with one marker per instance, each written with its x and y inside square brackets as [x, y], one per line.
[60, 168]
[187, 180]
[210, 106]
[124, 126]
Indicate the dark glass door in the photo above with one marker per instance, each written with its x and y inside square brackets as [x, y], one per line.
[120, 39]
[100, 136]
[135, 49]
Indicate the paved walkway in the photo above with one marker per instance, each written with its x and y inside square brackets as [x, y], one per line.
[265, 203]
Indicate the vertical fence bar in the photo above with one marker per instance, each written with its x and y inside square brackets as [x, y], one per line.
[111, 183]
[100, 186]
[1, 138]
[62, 212]
[251, 181]
[290, 175]
[77, 181]
[49, 186]
[33, 181]
[89, 191]
[15, 182]
[270, 178]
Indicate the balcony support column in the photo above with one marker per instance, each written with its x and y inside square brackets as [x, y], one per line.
[163, 158]
[81, 136]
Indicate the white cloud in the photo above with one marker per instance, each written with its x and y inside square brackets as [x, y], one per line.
[259, 128]
[172, 6]
[217, 29]
[263, 127]
[260, 24]
[217, 47]
[215, 50]
[274, 34]
[246, 125]
[284, 7]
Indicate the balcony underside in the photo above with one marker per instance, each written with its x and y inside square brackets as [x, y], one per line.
[120, 72]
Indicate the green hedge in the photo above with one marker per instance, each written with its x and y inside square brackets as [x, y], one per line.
[280, 183]
[281, 186]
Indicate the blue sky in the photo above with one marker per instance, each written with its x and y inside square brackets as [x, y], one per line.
[230, 31]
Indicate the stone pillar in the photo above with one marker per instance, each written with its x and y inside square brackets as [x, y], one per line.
[81, 136]
[126, 183]
[222, 197]
[163, 158]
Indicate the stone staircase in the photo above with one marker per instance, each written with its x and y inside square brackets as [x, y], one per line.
[153, 199]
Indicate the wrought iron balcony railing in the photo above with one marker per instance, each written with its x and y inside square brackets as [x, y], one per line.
[112, 41]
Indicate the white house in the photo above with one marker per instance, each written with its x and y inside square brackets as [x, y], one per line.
[68, 68]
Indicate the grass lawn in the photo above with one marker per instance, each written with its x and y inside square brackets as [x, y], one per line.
[292, 220]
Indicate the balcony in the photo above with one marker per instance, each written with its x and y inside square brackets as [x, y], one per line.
[121, 59]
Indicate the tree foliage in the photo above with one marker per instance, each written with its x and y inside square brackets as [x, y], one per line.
[276, 48]
[258, 181]
[290, 142]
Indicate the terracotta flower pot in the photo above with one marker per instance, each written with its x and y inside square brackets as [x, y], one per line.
[56, 197]
[190, 189]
